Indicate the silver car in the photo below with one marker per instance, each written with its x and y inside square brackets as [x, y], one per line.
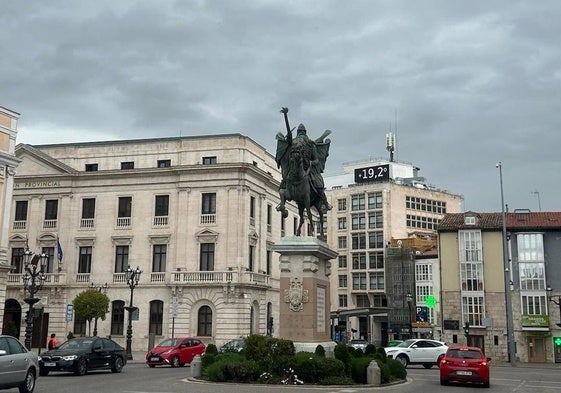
[18, 366]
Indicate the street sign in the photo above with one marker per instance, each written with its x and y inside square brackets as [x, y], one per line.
[421, 314]
[69, 312]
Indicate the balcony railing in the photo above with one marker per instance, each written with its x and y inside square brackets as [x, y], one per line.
[20, 224]
[158, 277]
[83, 278]
[160, 221]
[51, 279]
[49, 224]
[208, 219]
[203, 277]
[119, 278]
[123, 222]
[87, 223]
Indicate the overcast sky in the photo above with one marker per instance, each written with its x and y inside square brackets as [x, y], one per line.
[463, 84]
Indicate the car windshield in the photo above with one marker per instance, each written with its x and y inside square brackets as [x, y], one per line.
[75, 344]
[406, 343]
[464, 354]
[170, 342]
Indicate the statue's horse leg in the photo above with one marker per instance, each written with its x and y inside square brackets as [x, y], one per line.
[281, 206]
[301, 208]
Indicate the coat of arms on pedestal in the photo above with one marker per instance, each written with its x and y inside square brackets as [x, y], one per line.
[296, 295]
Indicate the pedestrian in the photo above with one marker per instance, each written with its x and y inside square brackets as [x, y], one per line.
[52, 344]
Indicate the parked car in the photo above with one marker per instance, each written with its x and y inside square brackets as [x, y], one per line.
[464, 364]
[418, 351]
[175, 352]
[358, 343]
[235, 345]
[18, 366]
[80, 355]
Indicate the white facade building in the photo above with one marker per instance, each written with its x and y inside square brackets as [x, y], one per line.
[195, 214]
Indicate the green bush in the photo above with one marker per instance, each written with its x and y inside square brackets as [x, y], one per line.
[311, 368]
[207, 360]
[246, 371]
[337, 380]
[341, 353]
[211, 349]
[330, 367]
[215, 372]
[397, 371]
[358, 369]
[385, 373]
[320, 351]
[273, 354]
[370, 350]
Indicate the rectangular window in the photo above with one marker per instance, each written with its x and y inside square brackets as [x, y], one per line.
[342, 261]
[359, 281]
[421, 292]
[357, 202]
[376, 281]
[534, 305]
[21, 211]
[359, 260]
[473, 310]
[127, 165]
[530, 247]
[117, 317]
[156, 317]
[85, 260]
[252, 208]
[164, 163]
[341, 205]
[342, 281]
[121, 258]
[471, 275]
[375, 220]
[343, 301]
[342, 242]
[207, 257]
[79, 326]
[161, 205]
[269, 218]
[358, 241]
[269, 262]
[470, 246]
[362, 301]
[342, 223]
[51, 209]
[358, 221]
[50, 253]
[283, 226]
[88, 208]
[423, 272]
[125, 207]
[295, 225]
[532, 276]
[159, 254]
[209, 203]
[17, 259]
[251, 258]
[375, 200]
[376, 260]
[211, 160]
[376, 239]
[91, 167]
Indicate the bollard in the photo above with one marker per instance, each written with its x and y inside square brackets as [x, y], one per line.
[196, 365]
[373, 376]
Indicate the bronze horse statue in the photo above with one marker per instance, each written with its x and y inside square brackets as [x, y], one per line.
[299, 189]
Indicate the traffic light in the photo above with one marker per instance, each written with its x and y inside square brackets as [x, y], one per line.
[466, 328]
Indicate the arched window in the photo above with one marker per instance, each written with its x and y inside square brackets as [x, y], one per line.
[156, 317]
[204, 323]
[117, 317]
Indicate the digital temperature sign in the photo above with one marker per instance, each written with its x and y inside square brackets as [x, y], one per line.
[372, 173]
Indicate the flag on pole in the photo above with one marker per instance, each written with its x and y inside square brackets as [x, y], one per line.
[59, 250]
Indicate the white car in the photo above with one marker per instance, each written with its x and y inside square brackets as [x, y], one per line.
[418, 351]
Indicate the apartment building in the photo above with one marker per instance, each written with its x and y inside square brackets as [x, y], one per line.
[195, 214]
[473, 282]
[376, 204]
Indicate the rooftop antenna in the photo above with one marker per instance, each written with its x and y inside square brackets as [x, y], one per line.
[395, 139]
[390, 144]
[537, 193]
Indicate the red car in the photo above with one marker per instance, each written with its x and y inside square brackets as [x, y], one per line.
[464, 364]
[175, 352]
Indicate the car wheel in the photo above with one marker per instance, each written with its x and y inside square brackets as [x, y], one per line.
[403, 360]
[43, 372]
[151, 365]
[443, 382]
[486, 384]
[118, 366]
[427, 365]
[438, 361]
[29, 382]
[81, 367]
[175, 361]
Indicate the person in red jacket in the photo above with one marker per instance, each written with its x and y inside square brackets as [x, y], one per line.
[52, 344]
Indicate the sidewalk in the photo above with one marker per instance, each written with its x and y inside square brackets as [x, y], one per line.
[526, 365]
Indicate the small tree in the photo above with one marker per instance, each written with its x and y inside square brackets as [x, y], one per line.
[91, 304]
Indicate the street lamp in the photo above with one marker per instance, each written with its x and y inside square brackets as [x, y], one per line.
[551, 298]
[33, 280]
[102, 289]
[506, 265]
[409, 299]
[132, 276]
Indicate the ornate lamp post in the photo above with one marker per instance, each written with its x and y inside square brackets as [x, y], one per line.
[102, 289]
[409, 299]
[133, 276]
[33, 280]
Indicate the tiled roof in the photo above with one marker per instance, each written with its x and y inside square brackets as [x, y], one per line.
[514, 221]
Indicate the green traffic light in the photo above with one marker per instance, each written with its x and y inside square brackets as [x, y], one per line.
[557, 341]
[430, 301]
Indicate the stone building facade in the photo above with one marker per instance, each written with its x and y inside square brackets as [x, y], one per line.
[195, 214]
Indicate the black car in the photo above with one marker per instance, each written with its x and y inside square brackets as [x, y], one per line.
[79, 355]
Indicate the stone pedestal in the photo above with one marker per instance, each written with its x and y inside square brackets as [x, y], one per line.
[304, 292]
